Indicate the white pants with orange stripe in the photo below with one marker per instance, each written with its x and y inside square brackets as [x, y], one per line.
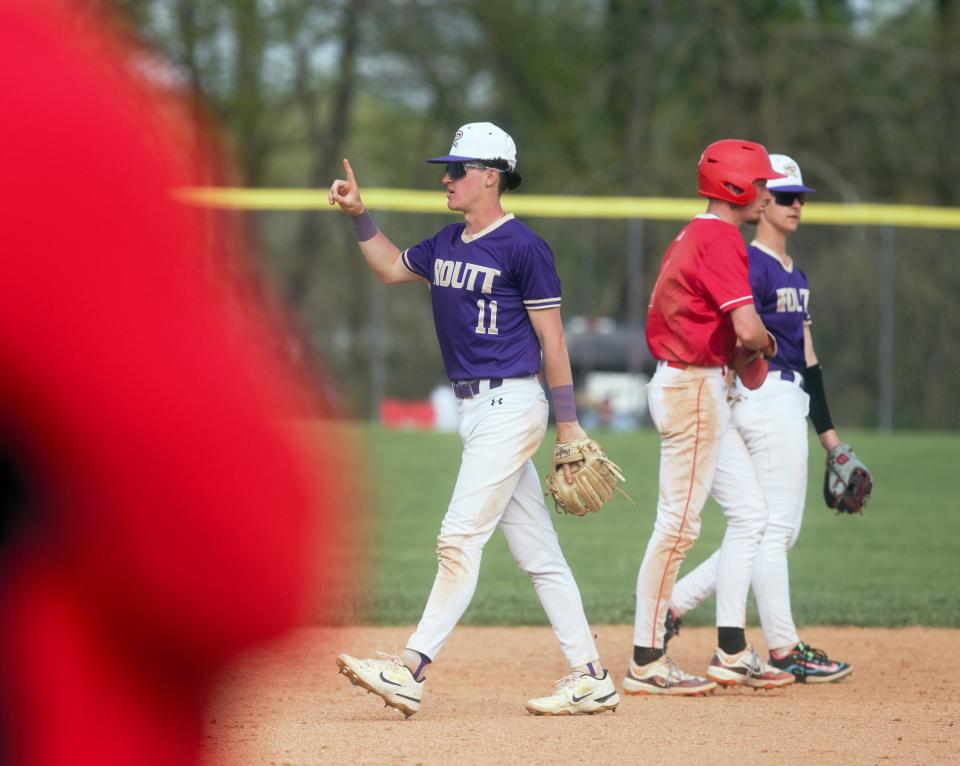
[772, 422]
[498, 486]
[689, 408]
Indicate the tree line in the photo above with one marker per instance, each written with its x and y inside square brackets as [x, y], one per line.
[604, 97]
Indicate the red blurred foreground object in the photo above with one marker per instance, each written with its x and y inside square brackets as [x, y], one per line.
[158, 517]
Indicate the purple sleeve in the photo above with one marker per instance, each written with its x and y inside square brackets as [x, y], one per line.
[759, 281]
[419, 258]
[806, 299]
[537, 277]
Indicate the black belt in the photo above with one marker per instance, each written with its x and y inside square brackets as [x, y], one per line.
[467, 389]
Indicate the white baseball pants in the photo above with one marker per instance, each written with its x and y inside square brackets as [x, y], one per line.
[773, 423]
[498, 485]
[689, 408]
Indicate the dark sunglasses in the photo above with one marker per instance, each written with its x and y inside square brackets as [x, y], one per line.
[457, 170]
[786, 199]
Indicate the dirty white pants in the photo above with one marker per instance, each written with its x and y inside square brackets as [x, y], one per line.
[501, 428]
[772, 422]
[689, 408]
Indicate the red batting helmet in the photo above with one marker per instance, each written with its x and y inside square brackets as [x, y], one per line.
[737, 163]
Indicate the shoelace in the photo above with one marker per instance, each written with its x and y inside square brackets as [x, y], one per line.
[394, 658]
[673, 670]
[568, 680]
[754, 663]
[810, 653]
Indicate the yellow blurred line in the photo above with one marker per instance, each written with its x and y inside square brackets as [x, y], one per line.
[558, 206]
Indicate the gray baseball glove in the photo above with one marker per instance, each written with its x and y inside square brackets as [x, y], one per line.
[847, 483]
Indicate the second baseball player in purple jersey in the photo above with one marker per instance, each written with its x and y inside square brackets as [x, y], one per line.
[782, 298]
[481, 288]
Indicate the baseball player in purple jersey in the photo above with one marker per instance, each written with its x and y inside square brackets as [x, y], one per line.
[772, 421]
[496, 306]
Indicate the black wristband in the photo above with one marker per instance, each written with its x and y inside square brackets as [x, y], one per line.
[819, 410]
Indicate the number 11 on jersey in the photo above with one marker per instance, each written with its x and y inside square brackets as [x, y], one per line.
[490, 329]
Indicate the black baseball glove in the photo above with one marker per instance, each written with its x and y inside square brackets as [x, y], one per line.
[847, 482]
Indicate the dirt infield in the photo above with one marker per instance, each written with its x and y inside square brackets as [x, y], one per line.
[286, 705]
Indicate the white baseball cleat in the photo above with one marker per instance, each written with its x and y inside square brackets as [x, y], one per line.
[578, 694]
[663, 676]
[747, 669]
[388, 678]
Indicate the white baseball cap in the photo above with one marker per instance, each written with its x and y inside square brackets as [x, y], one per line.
[792, 181]
[477, 141]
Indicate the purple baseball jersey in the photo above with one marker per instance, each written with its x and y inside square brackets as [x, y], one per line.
[481, 288]
[782, 298]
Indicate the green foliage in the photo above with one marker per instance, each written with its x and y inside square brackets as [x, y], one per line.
[604, 97]
[895, 565]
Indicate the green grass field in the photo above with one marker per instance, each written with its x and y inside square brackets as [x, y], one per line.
[895, 565]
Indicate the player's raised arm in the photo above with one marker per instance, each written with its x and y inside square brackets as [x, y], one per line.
[381, 254]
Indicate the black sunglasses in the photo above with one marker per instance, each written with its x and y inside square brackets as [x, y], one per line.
[786, 199]
[457, 170]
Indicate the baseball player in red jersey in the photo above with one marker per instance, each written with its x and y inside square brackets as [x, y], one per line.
[700, 310]
[772, 420]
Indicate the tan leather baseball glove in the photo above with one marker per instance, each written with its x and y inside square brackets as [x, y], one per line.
[594, 477]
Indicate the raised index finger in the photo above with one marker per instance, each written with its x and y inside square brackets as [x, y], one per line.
[349, 170]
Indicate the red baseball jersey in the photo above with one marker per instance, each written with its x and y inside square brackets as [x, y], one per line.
[703, 275]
